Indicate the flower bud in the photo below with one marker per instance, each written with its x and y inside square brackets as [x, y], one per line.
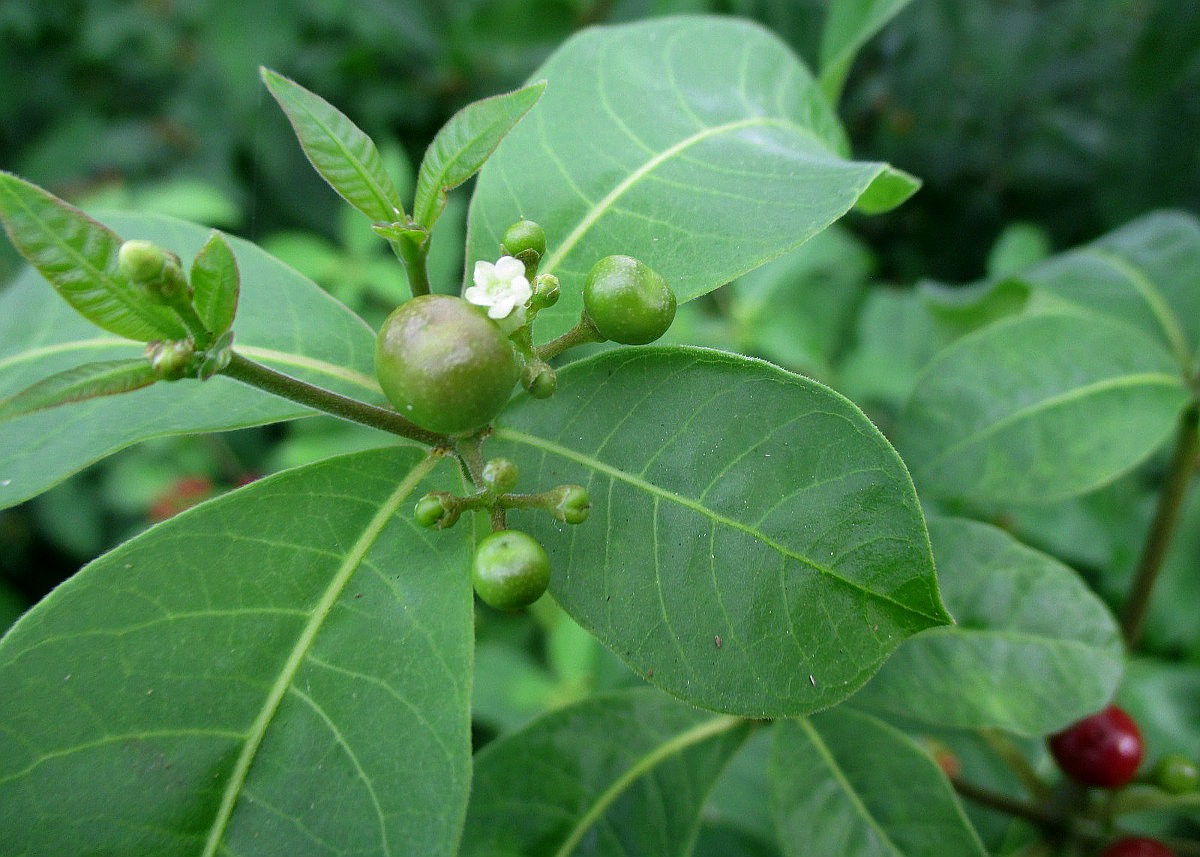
[436, 509]
[572, 504]
[542, 382]
[171, 359]
[500, 475]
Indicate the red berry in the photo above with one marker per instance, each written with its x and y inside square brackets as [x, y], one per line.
[1137, 846]
[1102, 750]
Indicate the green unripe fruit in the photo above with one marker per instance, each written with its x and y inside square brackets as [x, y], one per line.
[572, 504]
[500, 475]
[524, 236]
[1177, 774]
[627, 301]
[444, 365]
[510, 571]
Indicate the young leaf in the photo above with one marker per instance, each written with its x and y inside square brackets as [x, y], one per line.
[215, 284]
[848, 26]
[1033, 649]
[463, 145]
[1037, 408]
[283, 670]
[700, 145]
[338, 149]
[761, 566]
[845, 783]
[616, 774]
[79, 258]
[89, 381]
[285, 321]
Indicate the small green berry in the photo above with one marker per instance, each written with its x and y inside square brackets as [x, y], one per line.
[627, 301]
[445, 365]
[510, 570]
[523, 236]
[1177, 774]
[500, 475]
[572, 504]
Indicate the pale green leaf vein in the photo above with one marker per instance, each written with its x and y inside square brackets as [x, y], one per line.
[1153, 297]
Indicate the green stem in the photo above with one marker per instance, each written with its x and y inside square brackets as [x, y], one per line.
[581, 334]
[1162, 528]
[470, 453]
[414, 254]
[256, 375]
[1011, 755]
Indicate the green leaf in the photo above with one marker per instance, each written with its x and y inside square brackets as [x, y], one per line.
[617, 774]
[463, 145]
[700, 145]
[338, 149]
[1033, 649]
[1038, 408]
[89, 381]
[850, 25]
[215, 284]
[1144, 273]
[79, 258]
[845, 783]
[761, 566]
[285, 321]
[284, 670]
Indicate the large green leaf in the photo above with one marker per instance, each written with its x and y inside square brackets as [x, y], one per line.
[1037, 408]
[1146, 273]
[1033, 649]
[849, 25]
[699, 145]
[285, 321]
[338, 149]
[845, 783]
[284, 670]
[755, 545]
[78, 256]
[617, 774]
[463, 144]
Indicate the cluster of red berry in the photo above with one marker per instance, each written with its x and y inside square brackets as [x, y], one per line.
[1105, 751]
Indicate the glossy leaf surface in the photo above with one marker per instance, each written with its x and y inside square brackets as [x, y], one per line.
[338, 149]
[287, 322]
[1038, 408]
[78, 256]
[1033, 649]
[89, 381]
[260, 675]
[700, 146]
[464, 143]
[215, 284]
[845, 783]
[617, 774]
[754, 544]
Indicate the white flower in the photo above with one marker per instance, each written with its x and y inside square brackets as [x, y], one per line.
[502, 288]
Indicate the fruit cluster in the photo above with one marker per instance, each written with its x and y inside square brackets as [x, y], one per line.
[449, 364]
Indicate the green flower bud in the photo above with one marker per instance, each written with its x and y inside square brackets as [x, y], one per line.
[545, 290]
[542, 381]
[572, 504]
[500, 475]
[142, 261]
[171, 359]
[436, 509]
[510, 570]
[627, 302]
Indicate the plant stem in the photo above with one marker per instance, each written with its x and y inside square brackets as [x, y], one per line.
[470, 453]
[580, 334]
[1162, 528]
[1039, 815]
[414, 255]
[1011, 755]
[256, 375]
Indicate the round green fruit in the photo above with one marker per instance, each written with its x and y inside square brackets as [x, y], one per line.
[510, 571]
[445, 365]
[627, 301]
[523, 236]
[1177, 774]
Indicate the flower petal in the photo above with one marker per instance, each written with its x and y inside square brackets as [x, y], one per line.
[477, 295]
[485, 272]
[508, 268]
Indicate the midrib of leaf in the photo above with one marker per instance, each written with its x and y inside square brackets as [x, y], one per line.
[1154, 298]
[63, 348]
[85, 264]
[354, 160]
[437, 180]
[633, 178]
[647, 762]
[300, 361]
[836, 770]
[258, 729]
[1104, 385]
[698, 508]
